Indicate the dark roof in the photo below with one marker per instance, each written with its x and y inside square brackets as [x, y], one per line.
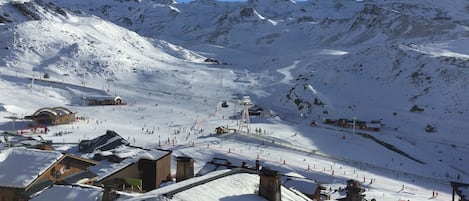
[184, 159]
[77, 176]
[267, 172]
[80, 159]
[101, 98]
[210, 167]
[255, 109]
[214, 165]
[38, 186]
[105, 142]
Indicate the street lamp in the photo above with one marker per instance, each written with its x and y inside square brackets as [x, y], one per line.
[353, 131]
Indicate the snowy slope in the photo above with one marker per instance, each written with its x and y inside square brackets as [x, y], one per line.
[373, 60]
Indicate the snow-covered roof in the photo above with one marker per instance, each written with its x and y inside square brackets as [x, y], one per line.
[19, 140]
[132, 155]
[20, 166]
[301, 184]
[214, 165]
[62, 110]
[101, 98]
[55, 111]
[238, 186]
[59, 193]
[243, 185]
[50, 110]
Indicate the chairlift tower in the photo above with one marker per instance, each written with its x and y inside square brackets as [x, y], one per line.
[109, 80]
[244, 125]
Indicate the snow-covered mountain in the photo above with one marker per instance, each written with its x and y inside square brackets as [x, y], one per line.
[402, 63]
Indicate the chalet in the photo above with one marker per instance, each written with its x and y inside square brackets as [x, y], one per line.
[105, 142]
[133, 169]
[53, 116]
[255, 111]
[211, 60]
[119, 154]
[460, 189]
[24, 172]
[224, 104]
[102, 100]
[357, 124]
[373, 126]
[221, 130]
[140, 173]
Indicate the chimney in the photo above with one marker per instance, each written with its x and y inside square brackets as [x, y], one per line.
[109, 194]
[148, 170]
[258, 165]
[354, 191]
[185, 168]
[269, 187]
[244, 164]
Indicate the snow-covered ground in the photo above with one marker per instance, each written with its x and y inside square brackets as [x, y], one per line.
[283, 63]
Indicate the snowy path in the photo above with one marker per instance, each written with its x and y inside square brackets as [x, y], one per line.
[287, 74]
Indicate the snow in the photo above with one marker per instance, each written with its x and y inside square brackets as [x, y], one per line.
[57, 192]
[131, 155]
[239, 186]
[19, 166]
[245, 185]
[444, 49]
[301, 184]
[175, 186]
[363, 61]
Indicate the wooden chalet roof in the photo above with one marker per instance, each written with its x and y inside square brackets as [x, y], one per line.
[20, 167]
